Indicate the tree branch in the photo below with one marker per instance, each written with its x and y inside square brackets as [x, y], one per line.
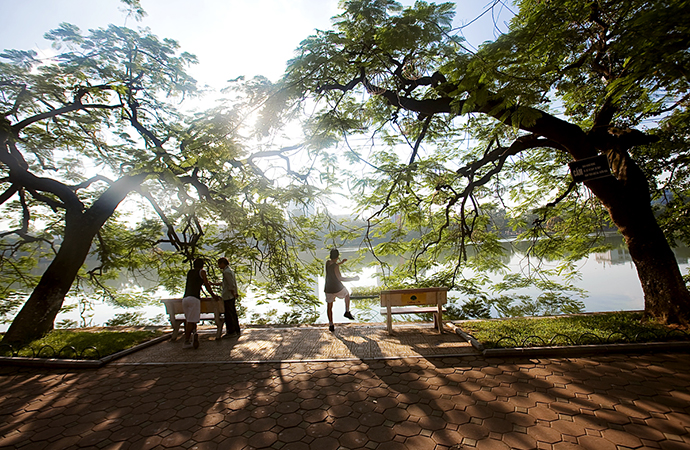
[90, 181]
[344, 87]
[17, 101]
[52, 203]
[418, 142]
[560, 198]
[201, 188]
[133, 118]
[545, 125]
[104, 207]
[8, 193]
[56, 112]
[279, 153]
[172, 235]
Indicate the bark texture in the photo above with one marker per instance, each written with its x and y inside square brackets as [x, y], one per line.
[37, 316]
[626, 194]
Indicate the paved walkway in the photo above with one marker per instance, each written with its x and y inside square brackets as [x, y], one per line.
[441, 402]
[359, 341]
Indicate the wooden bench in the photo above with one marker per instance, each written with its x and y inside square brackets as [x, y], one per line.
[414, 301]
[210, 310]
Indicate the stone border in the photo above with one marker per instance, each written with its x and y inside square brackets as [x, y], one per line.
[573, 350]
[60, 363]
[557, 351]
[584, 350]
[298, 361]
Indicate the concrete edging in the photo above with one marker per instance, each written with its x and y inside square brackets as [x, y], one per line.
[582, 350]
[573, 350]
[58, 363]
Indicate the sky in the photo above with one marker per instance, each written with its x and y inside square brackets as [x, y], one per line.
[229, 37]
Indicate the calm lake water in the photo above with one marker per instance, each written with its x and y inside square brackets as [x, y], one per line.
[609, 278]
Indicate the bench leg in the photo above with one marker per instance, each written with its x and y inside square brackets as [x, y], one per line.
[438, 319]
[219, 326]
[175, 326]
[389, 319]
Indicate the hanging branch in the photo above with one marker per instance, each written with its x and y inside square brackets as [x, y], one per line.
[173, 239]
[496, 158]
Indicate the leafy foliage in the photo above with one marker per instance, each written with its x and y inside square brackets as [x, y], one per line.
[109, 104]
[447, 136]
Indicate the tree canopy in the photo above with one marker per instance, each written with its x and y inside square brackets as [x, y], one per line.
[437, 142]
[457, 133]
[109, 103]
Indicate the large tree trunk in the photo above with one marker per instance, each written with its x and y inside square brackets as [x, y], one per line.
[37, 316]
[627, 199]
[626, 196]
[666, 297]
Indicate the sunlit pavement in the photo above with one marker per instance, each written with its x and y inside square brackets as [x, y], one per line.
[349, 341]
[313, 399]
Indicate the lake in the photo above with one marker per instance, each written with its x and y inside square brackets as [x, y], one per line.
[609, 278]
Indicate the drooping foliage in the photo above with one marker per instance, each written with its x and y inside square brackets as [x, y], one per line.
[449, 136]
[103, 121]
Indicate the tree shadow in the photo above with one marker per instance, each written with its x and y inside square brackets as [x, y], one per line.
[410, 402]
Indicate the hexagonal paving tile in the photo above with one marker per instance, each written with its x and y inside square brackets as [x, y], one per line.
[595, 402]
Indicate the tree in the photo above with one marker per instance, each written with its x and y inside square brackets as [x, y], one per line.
[569, 81]
[108, 104]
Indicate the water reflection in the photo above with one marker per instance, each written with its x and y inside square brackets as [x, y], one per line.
[609, 278]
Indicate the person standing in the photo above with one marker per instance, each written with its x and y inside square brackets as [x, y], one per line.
[334, 287]
[230, 295]
[191, 303]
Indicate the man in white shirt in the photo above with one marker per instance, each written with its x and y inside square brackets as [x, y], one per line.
[229, 296]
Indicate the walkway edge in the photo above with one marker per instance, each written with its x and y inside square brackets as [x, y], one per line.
[584, 350]
[573, 350]
[58, 363]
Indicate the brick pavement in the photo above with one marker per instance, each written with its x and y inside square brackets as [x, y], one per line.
[452, 402]
[352, 341]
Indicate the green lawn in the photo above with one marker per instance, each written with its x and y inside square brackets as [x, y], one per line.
[74, 344]
[600, 328]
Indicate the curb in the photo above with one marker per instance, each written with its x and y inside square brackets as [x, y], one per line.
[583, 350]
[57, 363]
[573, 350]
[475, 343]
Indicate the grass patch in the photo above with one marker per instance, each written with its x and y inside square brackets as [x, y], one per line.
[601, 328]
[72, 344]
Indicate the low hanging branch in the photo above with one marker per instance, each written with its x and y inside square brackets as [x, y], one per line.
[497, 158]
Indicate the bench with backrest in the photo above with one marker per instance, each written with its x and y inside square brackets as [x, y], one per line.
[414, 301]
[210, 310]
